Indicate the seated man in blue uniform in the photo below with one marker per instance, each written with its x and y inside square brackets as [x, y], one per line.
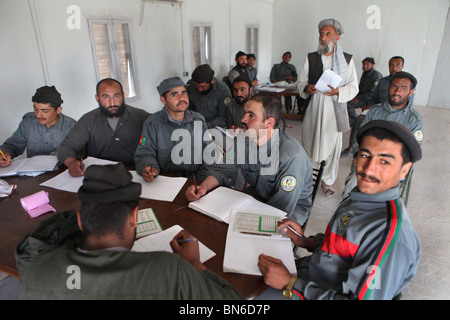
[89, 256]
[370, 249]
[282, 176]
[40, 132]
[157, 153]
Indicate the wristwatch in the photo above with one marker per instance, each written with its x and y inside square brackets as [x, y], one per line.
[287, 291]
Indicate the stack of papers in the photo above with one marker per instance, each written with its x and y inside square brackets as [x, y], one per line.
[33, 166]
[328, 77]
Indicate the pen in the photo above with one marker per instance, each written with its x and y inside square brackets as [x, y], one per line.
[195, 183]
[3, 155]
[187, 240]
[296, 233]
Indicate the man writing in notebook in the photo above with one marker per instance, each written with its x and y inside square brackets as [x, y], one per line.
[370, 249]
[40, 132]
[101, 258]
[284, 182]
[162, 131]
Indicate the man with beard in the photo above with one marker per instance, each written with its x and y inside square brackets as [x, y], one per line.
[242, 91]
[367, 85]
[240, 68]
[370, 250]
[208, 96]
[282, 176]
[111, 132]
[326, 116]
[40, 132]
[284, 71]
[155, 153]
[398, 108]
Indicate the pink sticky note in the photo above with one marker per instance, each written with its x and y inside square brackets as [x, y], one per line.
[37, 204]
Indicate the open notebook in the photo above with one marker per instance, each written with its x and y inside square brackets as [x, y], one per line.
[161, 242]
[219, 203]
[30, 166]
[242, 250]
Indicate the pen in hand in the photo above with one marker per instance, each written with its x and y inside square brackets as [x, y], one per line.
[296, 233]
[4, 157]
[195, 184]
[187, 240]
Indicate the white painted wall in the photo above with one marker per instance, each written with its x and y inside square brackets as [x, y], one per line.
[410, 28]
[67, 60]
[38, 48]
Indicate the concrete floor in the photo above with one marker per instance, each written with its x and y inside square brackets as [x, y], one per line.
[428, 206]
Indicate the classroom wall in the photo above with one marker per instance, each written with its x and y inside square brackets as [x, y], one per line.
[38, 48]
[410, 28]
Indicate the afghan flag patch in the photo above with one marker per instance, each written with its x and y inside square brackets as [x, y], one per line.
[142, 141]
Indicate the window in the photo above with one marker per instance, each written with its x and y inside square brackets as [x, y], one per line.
[113, 52]
[252, 40]
[201, 44]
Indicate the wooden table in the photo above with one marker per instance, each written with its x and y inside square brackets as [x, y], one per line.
[288, 92]
[15, 224]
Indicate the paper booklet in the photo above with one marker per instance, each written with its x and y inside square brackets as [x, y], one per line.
[33, 166]
[64, 181]
[218, 204]
[147, 223]
[161, 188]
[329, 77]
[242, 250]
[161, 242]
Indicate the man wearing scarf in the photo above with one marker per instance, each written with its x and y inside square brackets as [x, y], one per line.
[326, 116]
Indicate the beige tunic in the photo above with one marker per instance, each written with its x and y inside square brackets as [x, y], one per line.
[320, 137]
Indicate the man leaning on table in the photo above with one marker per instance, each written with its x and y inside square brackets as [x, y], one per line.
[109, 132]
[370, 249]
[40, 132]
[281, 178]
[96, 248]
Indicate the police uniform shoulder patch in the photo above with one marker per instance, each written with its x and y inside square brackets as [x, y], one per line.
[345, 219]
[288, 183]
[227, 101]
[418, 134]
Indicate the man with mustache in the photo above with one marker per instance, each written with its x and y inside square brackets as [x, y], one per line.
[242, 91]
[208, 96]
[282, 176]
[240, 68]
[326, 116]
[398, 107]
[154, 152]
[40, 132]
[110, 132]
[370, 250]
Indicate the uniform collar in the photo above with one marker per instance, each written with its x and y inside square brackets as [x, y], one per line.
[387, 195]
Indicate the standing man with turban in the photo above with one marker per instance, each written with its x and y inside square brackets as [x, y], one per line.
[208, 96]
[326, 116]
[40, 132]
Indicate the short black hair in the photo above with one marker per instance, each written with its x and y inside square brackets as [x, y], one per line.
[398, 57]
[271, 104]
[99, 219]
[108, 81]
[385, 134]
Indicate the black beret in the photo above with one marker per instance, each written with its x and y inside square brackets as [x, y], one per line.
[251, 55]
[400, 131]
[108, 183]
[240, 54]
[243, 77]
[369, 59]
[47, 94]
[403, 75]
[203, 73]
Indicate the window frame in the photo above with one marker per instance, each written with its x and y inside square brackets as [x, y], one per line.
[202, 26]
[115, 60]
[253, 48]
